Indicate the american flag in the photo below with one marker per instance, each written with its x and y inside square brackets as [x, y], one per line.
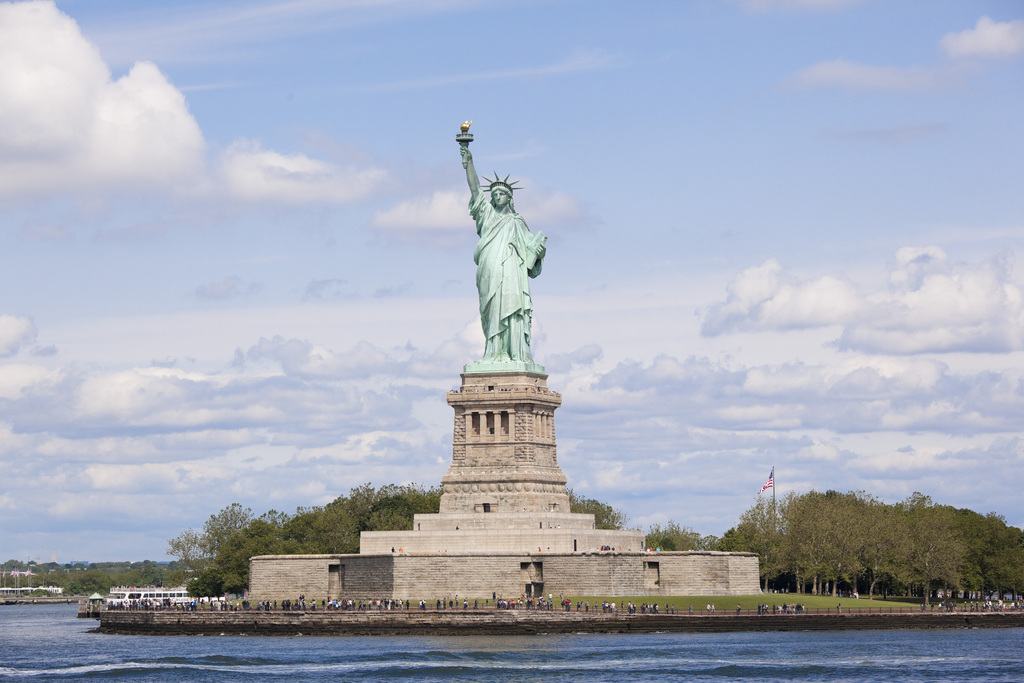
[768, 484]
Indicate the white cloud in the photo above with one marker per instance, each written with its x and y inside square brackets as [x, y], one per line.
[132, 394]
[581, 357]
[254, 174]
[49, 78]
[287, 392]
[931, 305]
[862, 377]
[365, 447]
[16, 377]
[171, 477]
[935, 305]
[761, 416]
[298, 357]
[440, 218]
[847, 74]
[548, 207]
[766, 297]
[819, 451]
[65, 125]
[940, 461]
[15, 333]
[988, 38]
[859, 394]
[143, 130]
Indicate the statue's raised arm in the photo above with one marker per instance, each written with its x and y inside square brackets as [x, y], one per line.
[471, 177]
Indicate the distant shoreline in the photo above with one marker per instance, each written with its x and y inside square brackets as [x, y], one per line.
[520, 622]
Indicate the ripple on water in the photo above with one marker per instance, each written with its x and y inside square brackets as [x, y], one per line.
[48, 643]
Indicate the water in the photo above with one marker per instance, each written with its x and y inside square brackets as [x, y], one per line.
[47, 643]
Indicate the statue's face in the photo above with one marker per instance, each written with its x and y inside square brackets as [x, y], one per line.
[500, 198]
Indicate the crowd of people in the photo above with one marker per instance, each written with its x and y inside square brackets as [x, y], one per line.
[301, 604]
[977, 606]
[795, 608]
[644, 608]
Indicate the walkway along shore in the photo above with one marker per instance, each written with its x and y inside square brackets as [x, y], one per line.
[519, 622]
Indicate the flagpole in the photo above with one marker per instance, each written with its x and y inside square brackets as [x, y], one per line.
[775, 507]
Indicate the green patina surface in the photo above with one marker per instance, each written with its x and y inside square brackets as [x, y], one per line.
[507, 256]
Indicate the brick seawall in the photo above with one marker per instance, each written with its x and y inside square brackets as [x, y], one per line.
[518, 622]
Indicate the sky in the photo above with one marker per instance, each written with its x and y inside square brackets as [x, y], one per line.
[236, 259]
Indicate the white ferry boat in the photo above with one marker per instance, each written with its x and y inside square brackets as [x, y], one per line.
[122, 596]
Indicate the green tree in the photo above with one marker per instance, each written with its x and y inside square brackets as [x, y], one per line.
[208, 584]
[993, 552]
[804, 548]
[148, 573]
[605, 516]
[90, 581]
[393, 507]
[763, 528]
[734, 541]
[936, 550]
[189, 547]
[332, 528]
[261, 536]
[674, 537]
[219, 527]
[1006, 570]
[884, 549]
[196, 552]
[844, 534]
[394, 513]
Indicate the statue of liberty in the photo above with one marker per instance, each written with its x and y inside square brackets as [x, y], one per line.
[506, 256]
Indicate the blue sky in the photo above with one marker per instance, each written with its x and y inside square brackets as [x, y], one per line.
[237, 264]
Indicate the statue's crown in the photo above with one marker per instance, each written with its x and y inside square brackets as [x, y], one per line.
[499, 182]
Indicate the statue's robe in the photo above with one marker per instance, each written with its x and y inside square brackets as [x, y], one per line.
[505, 258]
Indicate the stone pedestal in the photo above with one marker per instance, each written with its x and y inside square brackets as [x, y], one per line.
[504, 455]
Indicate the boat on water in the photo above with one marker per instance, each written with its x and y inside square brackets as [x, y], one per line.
[150, 596]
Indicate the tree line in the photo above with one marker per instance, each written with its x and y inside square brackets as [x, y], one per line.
[94, 577]
[812, 542]
[832, 542]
